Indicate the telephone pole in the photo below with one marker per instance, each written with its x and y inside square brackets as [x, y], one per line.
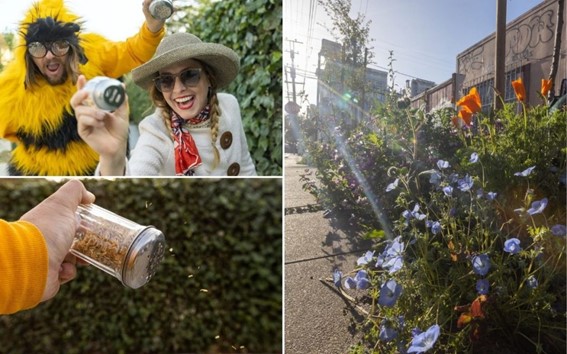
[500, 54]
[292, 71]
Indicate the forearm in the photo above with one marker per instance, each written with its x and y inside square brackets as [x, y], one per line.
[23, 265]
[112, 165]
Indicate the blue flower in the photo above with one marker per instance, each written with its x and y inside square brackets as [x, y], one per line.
[413, 214]
[453, 178]
[436, 227]
[360, 281]
[392, 185]
[448, 191]
[532, 282]
[479, 193]
[466, 183]
[387, 333]
[416, 331]
[481, 264]
[337, 275]
[425, 340]
[389, 293]
[525, 172]
[474, 158]
[443, 164]
[537, 206]
[435, 178]
[392, 257]
[491, 195]
[482, 286]
[559, 230]
[453, 212]
[512, 246]
[366, 258]
[416, 214]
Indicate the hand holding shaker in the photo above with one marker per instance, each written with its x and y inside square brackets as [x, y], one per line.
[122, 248]
[161, 9]
[106, 93]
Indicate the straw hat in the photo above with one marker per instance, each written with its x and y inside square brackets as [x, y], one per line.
[179, 47]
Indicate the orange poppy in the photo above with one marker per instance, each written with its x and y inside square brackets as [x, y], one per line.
[465, 115]
[545, 87]
[471, 101]
[519, 89]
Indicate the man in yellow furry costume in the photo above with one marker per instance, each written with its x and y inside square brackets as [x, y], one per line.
[36, 87]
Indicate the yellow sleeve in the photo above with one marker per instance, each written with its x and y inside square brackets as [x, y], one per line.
[23, 266]
[115, 59]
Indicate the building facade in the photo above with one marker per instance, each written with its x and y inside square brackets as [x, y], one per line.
[530, 41]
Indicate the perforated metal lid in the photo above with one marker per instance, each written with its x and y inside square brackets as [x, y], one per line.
[143, 258]
[161, 9]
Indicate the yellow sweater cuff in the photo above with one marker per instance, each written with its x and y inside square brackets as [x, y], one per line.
[23, 266]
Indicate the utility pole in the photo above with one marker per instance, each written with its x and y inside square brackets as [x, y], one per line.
[557, 47]
[292, 108]
[292, 53]
[500, 54]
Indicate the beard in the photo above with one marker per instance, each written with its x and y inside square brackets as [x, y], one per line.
[55, 79]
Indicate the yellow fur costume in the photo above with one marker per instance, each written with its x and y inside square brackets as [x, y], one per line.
[39, 118]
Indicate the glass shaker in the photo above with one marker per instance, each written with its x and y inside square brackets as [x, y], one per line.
[122, 248]
[161, 9]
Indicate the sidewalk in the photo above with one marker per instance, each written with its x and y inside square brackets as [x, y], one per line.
[317, 318]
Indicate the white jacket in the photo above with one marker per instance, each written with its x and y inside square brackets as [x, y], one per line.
[153, 153]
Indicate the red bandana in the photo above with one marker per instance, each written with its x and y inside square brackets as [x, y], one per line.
[187, 157]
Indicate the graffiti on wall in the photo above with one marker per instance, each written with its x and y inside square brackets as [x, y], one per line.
[524, 41]
[524, 38]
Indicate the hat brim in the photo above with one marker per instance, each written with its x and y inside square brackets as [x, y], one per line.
[223, 61]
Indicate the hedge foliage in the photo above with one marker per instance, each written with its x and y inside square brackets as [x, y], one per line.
[253, 29]
[218, 288]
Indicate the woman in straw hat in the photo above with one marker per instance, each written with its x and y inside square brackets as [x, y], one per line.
[193, 131]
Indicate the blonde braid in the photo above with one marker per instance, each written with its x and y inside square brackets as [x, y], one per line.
[215, 118]
[159, 102]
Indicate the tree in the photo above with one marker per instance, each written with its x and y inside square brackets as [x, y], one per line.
[353, 36]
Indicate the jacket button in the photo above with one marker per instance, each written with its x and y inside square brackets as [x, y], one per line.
[234, 169]
[226, 140]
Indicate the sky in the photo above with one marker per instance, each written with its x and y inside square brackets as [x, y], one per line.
[425, 35]
[114, 19]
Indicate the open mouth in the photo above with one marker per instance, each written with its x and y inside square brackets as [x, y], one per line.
[185, 102]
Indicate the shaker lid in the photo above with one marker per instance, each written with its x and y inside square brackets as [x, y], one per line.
[143, 258]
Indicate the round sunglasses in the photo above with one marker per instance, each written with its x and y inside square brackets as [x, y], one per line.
[188, 78]
[39, 49]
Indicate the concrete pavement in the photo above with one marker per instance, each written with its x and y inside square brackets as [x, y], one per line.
[317, 318]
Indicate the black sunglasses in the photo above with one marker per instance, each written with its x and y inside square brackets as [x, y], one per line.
[39, 49]
[188, 78]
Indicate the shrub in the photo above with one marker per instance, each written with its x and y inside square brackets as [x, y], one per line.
[468, 224]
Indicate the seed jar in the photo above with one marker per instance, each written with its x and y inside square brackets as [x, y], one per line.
[105, 93]
[122, 248]
[161, 9]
